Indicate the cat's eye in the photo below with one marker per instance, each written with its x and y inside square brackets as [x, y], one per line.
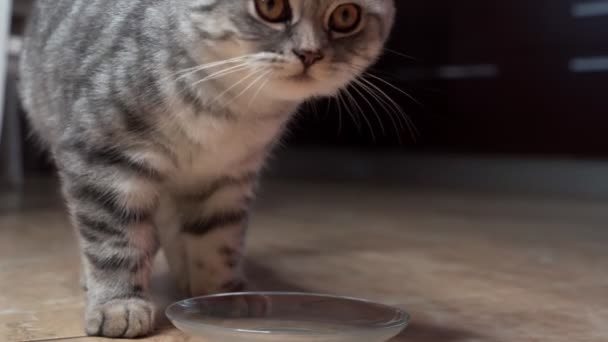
[345, 18]
[273, 11]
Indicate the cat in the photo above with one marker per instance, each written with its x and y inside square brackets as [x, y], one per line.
[159, 115]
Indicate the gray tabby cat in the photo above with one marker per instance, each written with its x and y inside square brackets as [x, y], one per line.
[160, 114]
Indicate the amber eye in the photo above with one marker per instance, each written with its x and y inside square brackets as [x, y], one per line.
[345, 18]
[273, 11]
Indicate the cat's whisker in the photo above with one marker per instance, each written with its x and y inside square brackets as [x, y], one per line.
[222, 73]
[389, 109]
[183, 73]
[395, 111]
[382, 95]
[339, 116]
[371, 107]
[379, 73]
[329, 106]
[350, 111]
[311, 103]
[401, 54]
[219, 74]
[236, 84]
[189, 71]
[263, 74]
[393, 104]
[208, 65]
[362, 69]
[397, 125]
[199, 69]
[355, 68]
[353, 100]
[412, 128]
[255, 95]
[392, 86]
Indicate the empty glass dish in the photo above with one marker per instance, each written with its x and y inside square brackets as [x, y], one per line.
[279, 316]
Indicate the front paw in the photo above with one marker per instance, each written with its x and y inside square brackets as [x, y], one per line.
[120, 318]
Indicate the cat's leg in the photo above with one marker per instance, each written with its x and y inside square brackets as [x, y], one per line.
[112, 200]
[168, 222]
[83, 276]
[209, 245]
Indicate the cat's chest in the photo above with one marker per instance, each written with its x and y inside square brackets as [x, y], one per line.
[211, 147]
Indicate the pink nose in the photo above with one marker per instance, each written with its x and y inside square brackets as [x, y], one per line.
[308, 57]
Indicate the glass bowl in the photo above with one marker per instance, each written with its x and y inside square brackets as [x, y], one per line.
[286, 316]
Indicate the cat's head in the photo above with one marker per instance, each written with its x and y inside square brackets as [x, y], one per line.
[297, 48]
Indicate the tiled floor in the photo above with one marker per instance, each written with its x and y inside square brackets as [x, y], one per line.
[468, 267]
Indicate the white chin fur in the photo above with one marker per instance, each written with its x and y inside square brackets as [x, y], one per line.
[293, 90]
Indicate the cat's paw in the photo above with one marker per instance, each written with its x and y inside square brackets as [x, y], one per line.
[127, 318]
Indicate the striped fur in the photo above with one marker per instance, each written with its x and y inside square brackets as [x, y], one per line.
[160, 115]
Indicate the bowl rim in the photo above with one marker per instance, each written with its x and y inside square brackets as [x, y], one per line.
[402, 321]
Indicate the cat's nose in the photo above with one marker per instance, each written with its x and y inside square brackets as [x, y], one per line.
[309, 57]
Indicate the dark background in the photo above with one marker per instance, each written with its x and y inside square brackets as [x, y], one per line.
[528, 103]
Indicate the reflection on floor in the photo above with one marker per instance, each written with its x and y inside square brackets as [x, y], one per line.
[468, 267]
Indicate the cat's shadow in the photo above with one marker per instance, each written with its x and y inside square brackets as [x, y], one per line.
[265, 279]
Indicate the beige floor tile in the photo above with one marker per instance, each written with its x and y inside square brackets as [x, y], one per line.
[468, 267]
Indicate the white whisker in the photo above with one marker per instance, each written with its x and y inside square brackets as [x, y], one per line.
[189, 71]
[313, 107]
[255, 95]
[339, 115]
[236, 84]
[371, 107]
[222, 73]
[256, 80]
[354, 101]
[387, 108]
[392, 86]
[349, 111]
[385, 98]
[412, 128]
[401, 54]
[197, 68]
[329, 106]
